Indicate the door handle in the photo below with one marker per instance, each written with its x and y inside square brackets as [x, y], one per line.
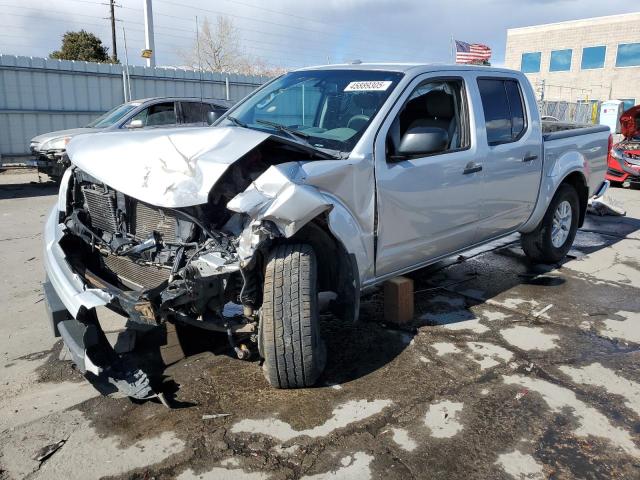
[472, 167]
[529, 158]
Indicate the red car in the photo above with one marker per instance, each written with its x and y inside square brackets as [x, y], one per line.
[624, 157]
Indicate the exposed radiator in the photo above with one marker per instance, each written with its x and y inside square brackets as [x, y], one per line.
[102, 209]
[129, 272]
[144, 219]
[148, 219]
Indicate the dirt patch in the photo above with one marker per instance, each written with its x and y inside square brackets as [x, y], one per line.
[54, 370]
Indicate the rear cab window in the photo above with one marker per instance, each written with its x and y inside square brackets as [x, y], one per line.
[504, 111]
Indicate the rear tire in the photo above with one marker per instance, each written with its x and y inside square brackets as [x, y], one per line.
[553, 237]
[294, 352]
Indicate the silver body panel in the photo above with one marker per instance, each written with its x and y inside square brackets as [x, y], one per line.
[391, 218]
[167, 168]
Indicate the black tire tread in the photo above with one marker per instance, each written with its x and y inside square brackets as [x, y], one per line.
[537, 244]
[293, 349]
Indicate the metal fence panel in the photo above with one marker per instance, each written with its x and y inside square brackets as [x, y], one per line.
[39, 95]
[580, 112]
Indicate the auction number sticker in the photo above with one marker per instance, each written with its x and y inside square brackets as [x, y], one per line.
[369, 86]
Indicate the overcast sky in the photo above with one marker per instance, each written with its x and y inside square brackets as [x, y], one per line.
[295, 33]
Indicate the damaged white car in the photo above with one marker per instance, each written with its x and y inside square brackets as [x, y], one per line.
[320, 184]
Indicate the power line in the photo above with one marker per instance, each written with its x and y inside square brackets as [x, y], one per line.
[288, 47]
[301, 17]
[252, 19]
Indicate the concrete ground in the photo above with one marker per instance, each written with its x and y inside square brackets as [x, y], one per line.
[512, 371]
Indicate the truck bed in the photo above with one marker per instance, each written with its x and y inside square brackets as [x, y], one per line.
[572, 140]
[557, 130]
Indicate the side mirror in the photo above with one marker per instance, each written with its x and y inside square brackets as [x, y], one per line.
[423, 141]
[212, 116]
[135, 124]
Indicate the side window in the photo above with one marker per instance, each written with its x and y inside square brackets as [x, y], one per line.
[158, 114]
[193, 112]
[503, 108]
[433, 104]
[516, 105]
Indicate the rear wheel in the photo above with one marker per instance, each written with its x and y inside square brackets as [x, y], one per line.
[554, 236]
[294, 352]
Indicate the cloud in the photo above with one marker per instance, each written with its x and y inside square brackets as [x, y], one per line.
[294, 33]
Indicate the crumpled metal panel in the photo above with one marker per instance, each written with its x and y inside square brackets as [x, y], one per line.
[273, 196]
[292, 194]
[166, 168]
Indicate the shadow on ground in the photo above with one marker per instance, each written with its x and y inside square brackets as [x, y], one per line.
[27, 190]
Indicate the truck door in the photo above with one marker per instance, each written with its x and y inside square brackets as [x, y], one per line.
[513, 162]
[428, 204]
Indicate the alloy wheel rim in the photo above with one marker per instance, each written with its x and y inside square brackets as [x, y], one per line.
[561, 224]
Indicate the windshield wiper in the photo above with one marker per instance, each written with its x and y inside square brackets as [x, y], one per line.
[284, 128]
[235, 121]
[298, 136]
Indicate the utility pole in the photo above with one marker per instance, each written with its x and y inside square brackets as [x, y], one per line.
[112, 8]
[148, 33]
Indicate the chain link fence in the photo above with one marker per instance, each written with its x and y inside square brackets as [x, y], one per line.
[574, 112]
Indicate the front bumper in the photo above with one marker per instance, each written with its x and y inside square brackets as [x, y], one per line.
[70, 305]
[52, 162]
[619, 170]
[73, 291]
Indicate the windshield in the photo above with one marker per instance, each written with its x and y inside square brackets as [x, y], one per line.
[113, 115]
[330, 108]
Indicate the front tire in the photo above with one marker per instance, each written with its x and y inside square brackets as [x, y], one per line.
[553, 237]
[294, 352]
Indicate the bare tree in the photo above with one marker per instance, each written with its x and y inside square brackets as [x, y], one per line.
[219, 49]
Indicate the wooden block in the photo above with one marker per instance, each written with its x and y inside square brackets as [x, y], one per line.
[398, 300]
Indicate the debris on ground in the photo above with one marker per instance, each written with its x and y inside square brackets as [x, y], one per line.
[215, 415]
[543, 311]
[46, 452]
[601, 207]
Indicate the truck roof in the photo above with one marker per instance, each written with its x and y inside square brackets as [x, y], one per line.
[406, 67]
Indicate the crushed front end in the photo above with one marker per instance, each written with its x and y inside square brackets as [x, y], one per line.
[624, 162]
[150, 264]
[51, 160]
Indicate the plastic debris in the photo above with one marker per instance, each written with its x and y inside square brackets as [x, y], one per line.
[46, 452]
[541, 312]
[598, 206]
[215, 415]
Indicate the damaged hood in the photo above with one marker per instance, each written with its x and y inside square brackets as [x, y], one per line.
[169, 168]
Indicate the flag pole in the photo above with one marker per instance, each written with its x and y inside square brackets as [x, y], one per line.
[453, 50]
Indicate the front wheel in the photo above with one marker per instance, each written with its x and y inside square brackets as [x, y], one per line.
[294, 353]
[553, 237]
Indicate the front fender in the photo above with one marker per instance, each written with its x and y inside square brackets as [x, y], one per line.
[280, 197]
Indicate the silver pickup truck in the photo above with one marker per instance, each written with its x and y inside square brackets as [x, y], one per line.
[322, 183]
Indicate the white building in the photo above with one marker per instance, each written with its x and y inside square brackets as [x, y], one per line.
[589, 59]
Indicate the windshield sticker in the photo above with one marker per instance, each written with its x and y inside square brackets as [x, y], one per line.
[368, 86]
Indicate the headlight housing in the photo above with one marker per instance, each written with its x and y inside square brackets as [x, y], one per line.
[58, 143]
[617, 154]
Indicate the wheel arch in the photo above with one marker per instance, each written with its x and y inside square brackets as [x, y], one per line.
[550, 184]
[578, 181]
[337, 268]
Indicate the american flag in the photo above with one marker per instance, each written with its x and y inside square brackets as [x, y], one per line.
[472, 52]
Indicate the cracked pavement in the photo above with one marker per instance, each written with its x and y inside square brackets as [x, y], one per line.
[509, 371]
